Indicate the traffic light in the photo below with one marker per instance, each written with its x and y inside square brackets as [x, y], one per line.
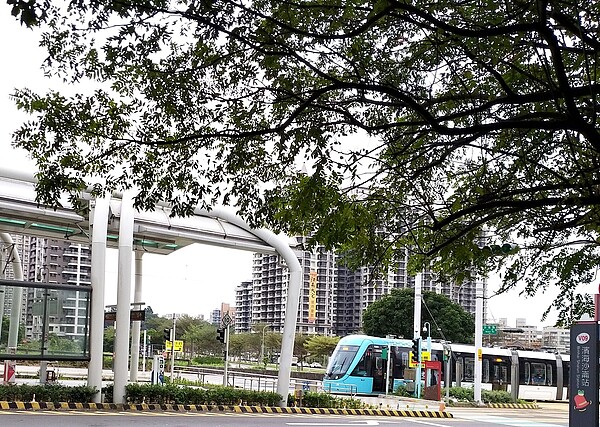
[499, 250]
[167, 334]
[416, 350]
[221, 335]
[446, 353]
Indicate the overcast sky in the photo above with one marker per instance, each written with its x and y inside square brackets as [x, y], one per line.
[193, 280]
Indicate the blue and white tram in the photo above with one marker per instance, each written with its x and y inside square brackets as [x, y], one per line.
[357, 366]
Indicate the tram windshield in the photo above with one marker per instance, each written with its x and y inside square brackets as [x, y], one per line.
[340, 361]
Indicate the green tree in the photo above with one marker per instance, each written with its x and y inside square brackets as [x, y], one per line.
[470, 118]
[207, 341]
[155, 327]
[393, 315]
[6, 329]
[109, 340]
[321, 345]
[300, 350]
[238, 344]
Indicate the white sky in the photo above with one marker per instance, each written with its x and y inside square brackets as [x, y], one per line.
[194, 280]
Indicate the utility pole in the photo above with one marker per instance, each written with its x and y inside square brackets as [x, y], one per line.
[226, 355]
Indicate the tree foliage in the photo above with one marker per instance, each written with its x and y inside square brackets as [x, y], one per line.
[320, 345]
[422, 124]
[394, 313]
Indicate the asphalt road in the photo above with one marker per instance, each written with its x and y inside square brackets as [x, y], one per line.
[464, 417]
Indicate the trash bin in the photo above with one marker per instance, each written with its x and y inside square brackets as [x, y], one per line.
[50, 376]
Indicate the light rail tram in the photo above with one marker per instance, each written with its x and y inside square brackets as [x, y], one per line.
[359, 365]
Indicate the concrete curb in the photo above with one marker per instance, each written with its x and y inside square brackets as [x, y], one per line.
[514, 405]
[40, 406]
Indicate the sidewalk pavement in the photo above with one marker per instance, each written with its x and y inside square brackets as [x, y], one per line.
[403, 403]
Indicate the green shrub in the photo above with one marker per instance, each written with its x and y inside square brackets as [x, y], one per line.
[208, 360]
[325, 400]
[487, 396]
[108, 393]
[462, 394]
[46, 393]
[402, 391]
[496, 396]
[214, 395]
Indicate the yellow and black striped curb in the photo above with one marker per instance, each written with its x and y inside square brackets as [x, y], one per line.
[38, 406]
[514, 405]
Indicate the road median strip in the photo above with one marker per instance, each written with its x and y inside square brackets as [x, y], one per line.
[514, 405]
[40, 406]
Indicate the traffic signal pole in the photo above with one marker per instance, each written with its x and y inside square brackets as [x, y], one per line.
[417, 330]
[226, 356]
[173, 348]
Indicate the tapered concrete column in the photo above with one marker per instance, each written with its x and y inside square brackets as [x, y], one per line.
[123, 297]
[99, 224]
[293, 295]
[135, 326]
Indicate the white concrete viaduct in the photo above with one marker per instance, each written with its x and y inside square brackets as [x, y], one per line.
[112, 221]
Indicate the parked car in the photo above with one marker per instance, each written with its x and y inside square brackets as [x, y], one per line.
[315, 365]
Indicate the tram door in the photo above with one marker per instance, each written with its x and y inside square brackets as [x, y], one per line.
[378, 369]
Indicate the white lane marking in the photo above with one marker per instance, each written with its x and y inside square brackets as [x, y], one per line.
[427, 423]
[351, 423]
[507, 421]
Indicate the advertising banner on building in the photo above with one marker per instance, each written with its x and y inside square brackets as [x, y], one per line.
[312, 297]
[583, 390]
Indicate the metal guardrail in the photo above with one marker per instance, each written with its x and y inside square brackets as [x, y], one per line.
[247, 380]
[350, 389]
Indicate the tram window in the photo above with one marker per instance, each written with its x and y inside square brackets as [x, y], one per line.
[364, 364]
[398, 362]
[469, 369]
[485, 371]
[538, 374]
[500, 374]
[549, 376]
[526, 374]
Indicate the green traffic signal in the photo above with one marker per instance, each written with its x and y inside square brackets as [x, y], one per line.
[499, 250]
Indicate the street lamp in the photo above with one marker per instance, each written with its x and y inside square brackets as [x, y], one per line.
[262, 344]
[427, 328]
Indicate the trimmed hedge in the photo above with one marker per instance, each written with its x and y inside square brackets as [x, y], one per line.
[488, 396]
[326, 400]
[172, 394]
[46, 393]
[210, 395]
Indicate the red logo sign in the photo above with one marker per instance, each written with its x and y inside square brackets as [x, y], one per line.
[582, 338]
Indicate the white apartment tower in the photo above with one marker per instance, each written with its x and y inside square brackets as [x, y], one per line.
[243, 307]
[341, 294]
[58, 262]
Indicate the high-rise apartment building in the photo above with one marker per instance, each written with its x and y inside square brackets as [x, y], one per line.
[342, 295]
[58, 262]
[215, 317]
[556, 339]
[20, 247]
[243, 307]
